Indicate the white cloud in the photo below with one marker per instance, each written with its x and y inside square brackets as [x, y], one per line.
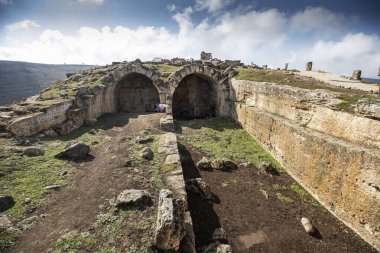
[262, 37]
[96, 2]
[6, 2]
[171, 7]
[23, 25]
[211, 5]
[317, 19]
[353, 51]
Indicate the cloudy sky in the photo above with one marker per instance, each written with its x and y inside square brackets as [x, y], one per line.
[337, 35]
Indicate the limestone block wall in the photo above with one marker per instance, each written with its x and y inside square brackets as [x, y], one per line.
[337, 167]
[35, 123]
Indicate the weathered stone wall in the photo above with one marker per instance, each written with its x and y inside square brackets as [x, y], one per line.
[35, 123]
[307, 107]
[337, 167]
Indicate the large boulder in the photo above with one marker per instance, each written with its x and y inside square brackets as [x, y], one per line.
[133, 198]
[146, 153]
[219, 235]
[224, 164]
[6, 202]
[144, 139]
[170, 227]
[77, 151]
[199, 186]
[204, 164]
[34, 151]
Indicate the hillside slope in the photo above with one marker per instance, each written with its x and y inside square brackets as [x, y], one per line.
[19, 80]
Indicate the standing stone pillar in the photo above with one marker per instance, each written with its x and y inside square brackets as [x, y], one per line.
[379, 72]
[286, 66]
[356, 74]
[309, 66]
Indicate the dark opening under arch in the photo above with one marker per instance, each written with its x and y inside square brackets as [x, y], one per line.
[194, 97]
[136, 93]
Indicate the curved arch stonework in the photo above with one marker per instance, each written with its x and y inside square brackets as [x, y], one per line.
[217, 78]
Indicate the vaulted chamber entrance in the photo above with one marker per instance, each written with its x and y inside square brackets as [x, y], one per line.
[195, 97]
[136, 93]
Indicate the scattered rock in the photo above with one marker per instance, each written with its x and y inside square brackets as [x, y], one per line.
[133, 198]
[217, 164]
[170, 227]
[27, 201]
[2, 173]
[217, 247]
[77, 150]
[219, 235]
[307, 226]
[199, 186]
[223, 164]
[54, 187]
[245, 164]
[128, 163]
[34, 151]
[204, 164]
[267, 168]
[63, 173]
[146, 153]
[265, 193]
[6, 202]
[92, 132]
[228, 164]
[27, 223]
[5, 223]
[144, 139]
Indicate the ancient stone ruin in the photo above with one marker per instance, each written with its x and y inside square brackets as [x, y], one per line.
[333, 154]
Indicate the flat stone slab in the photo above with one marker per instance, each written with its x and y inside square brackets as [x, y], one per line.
[167, 123]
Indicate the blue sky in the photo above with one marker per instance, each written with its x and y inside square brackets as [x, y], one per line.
[337, 36]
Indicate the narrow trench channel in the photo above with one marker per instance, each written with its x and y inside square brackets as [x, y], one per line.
[205, 219]
[261, 212]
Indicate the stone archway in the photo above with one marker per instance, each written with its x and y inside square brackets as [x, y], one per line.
[194, 97]
[135, 92]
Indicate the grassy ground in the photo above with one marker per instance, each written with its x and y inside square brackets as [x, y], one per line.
[224, 138]
[26, 177]
[288, 78]
[164, 69]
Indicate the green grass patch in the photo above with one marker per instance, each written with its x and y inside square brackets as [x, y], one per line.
[284, 198]
[27, 176]
[164, 69]
[297, 189]
[7, 238]
[348, 101]
[223, 138]
[74, 241]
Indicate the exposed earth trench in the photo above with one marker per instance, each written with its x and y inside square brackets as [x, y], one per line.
[260, 212]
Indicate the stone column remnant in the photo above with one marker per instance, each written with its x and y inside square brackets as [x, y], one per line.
[309, 66]
[356, 74]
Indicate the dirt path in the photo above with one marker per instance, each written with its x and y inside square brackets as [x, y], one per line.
[75, 206]
[261, 212]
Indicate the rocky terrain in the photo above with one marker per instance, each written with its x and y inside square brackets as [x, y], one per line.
[89, 166]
